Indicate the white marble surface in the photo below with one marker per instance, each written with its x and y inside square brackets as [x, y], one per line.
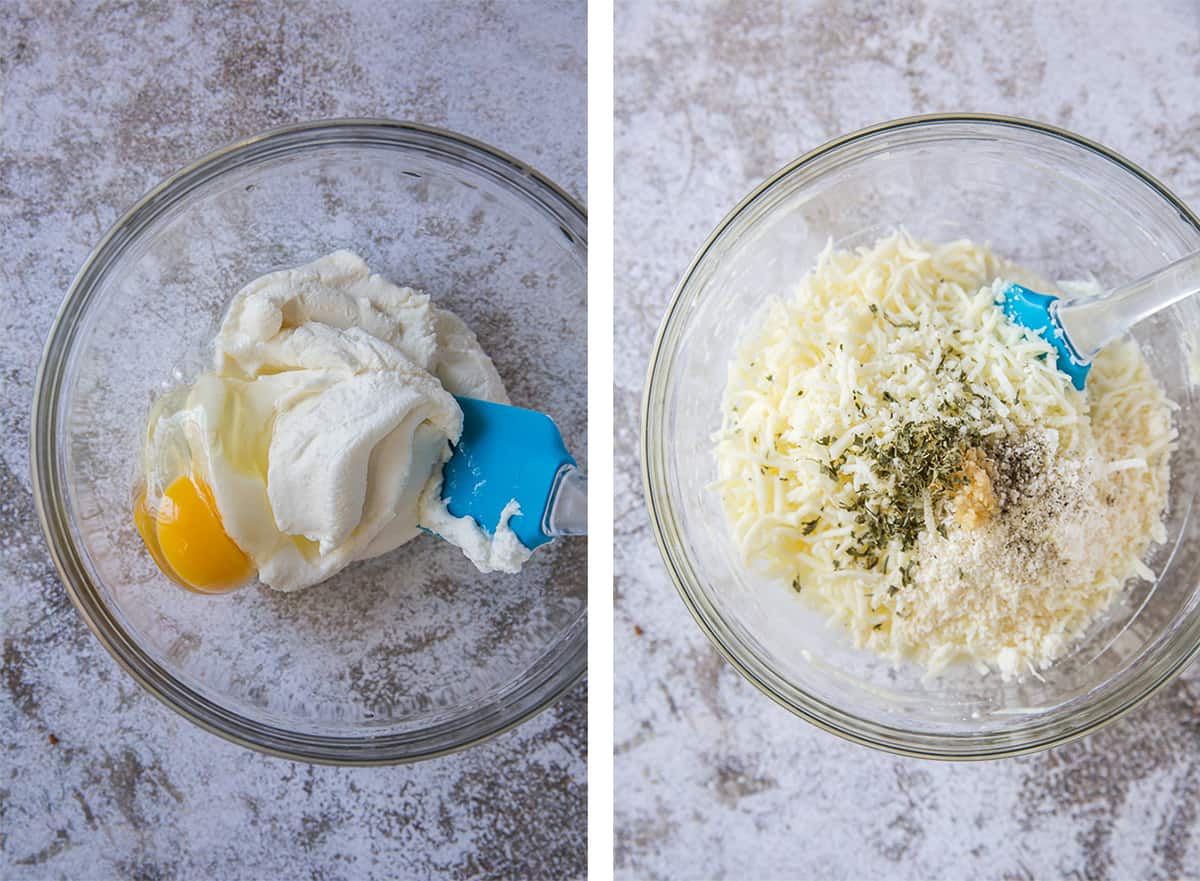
[97, 103]
[712, 779]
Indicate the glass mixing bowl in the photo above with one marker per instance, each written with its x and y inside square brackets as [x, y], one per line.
[402, 657]
[1062, 206]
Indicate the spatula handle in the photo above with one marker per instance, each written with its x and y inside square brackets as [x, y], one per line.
[1093, 322]
[566, 507]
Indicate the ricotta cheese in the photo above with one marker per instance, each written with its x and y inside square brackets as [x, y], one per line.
[324, 424]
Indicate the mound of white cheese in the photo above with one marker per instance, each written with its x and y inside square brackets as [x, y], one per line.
[324, 424]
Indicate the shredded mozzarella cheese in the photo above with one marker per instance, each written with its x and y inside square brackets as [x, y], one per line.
[903, 340]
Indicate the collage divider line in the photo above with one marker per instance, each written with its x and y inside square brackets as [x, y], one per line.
[600, 438]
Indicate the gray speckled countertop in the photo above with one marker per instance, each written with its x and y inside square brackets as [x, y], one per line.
[97, 779]
[713, 779]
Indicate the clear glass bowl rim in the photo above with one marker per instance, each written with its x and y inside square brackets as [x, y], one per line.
[954, 747]
[555, 673]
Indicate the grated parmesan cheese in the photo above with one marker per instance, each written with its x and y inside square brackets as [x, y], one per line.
[915, 466]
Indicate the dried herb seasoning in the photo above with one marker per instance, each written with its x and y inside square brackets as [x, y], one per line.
[922, 460]
[900, 324]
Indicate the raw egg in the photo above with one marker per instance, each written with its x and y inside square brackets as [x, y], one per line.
[200, 447]
[185, 537]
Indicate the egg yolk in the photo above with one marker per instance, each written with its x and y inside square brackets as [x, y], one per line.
[189, 544]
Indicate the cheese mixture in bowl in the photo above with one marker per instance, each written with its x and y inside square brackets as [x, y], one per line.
[318, 436]
[396, 657]
[1021, 488]
[914, 465]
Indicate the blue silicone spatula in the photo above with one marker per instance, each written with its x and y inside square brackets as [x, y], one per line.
[1079, 328]
[508, 453]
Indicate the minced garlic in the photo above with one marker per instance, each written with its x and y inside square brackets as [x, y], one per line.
[975, 502]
